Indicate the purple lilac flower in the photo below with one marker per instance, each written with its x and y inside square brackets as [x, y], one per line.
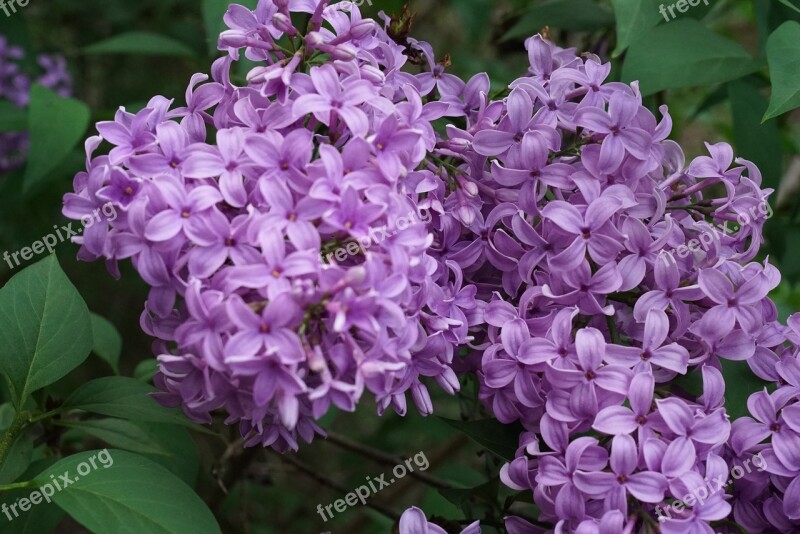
[561, 255]
[589, 248]
[240, 236]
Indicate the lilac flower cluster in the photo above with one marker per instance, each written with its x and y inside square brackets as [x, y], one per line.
[548, 255]
[230, 230]
[15, 85]
[560, 206]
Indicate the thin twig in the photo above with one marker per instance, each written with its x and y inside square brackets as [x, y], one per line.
[385, 459]
[330, 483]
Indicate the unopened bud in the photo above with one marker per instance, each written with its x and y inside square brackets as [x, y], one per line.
[362, 29]
[467, 215]
[284, 24]
[343, 53]
[470, 188]
[314, 40]
[355, 275]
[233, 39]
[372, 74]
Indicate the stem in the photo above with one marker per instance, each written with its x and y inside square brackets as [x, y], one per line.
[233, 469]
[612, 328]
[386, 459]
[652, 523]
[19, 485]
[448, 166]
[21, 420]
[45, 415]
[330, 483]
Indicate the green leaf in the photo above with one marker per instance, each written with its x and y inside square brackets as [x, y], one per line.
[473, 501]
[790, 5]
[56, 126]
[684, 53]
[127, 493]
[47, 515]
[41, 519]
[501, 439]
[691, 383]
[740, 382]
[169, 445]
[573, 15]
[783, 54]
[760, 143]
[12, 118]
[635, 18]
[107, 341]
[140, 43]
[182, 457]
[126, 398]
[146, 369]
[19, 458]
[120, 433]
[46, 331]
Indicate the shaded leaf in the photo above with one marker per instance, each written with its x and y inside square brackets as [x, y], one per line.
[790, 5]
[574, 15]
[56, 125]
[146, 369]
[783, 54]
[740, 383]
[120, 434]
[140, 43]
[126, 398]
[501, 439]
[128, 494]
[685, 53]
[760, 143]
[12, 118]
[107, 341]
[635, 18]
[472, 500]
[46, 330]
[182, 457]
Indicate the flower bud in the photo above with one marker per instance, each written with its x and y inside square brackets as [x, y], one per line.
[284, 24]
[314, 40]
[362, 28]
[343, 53]
[232, 39]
